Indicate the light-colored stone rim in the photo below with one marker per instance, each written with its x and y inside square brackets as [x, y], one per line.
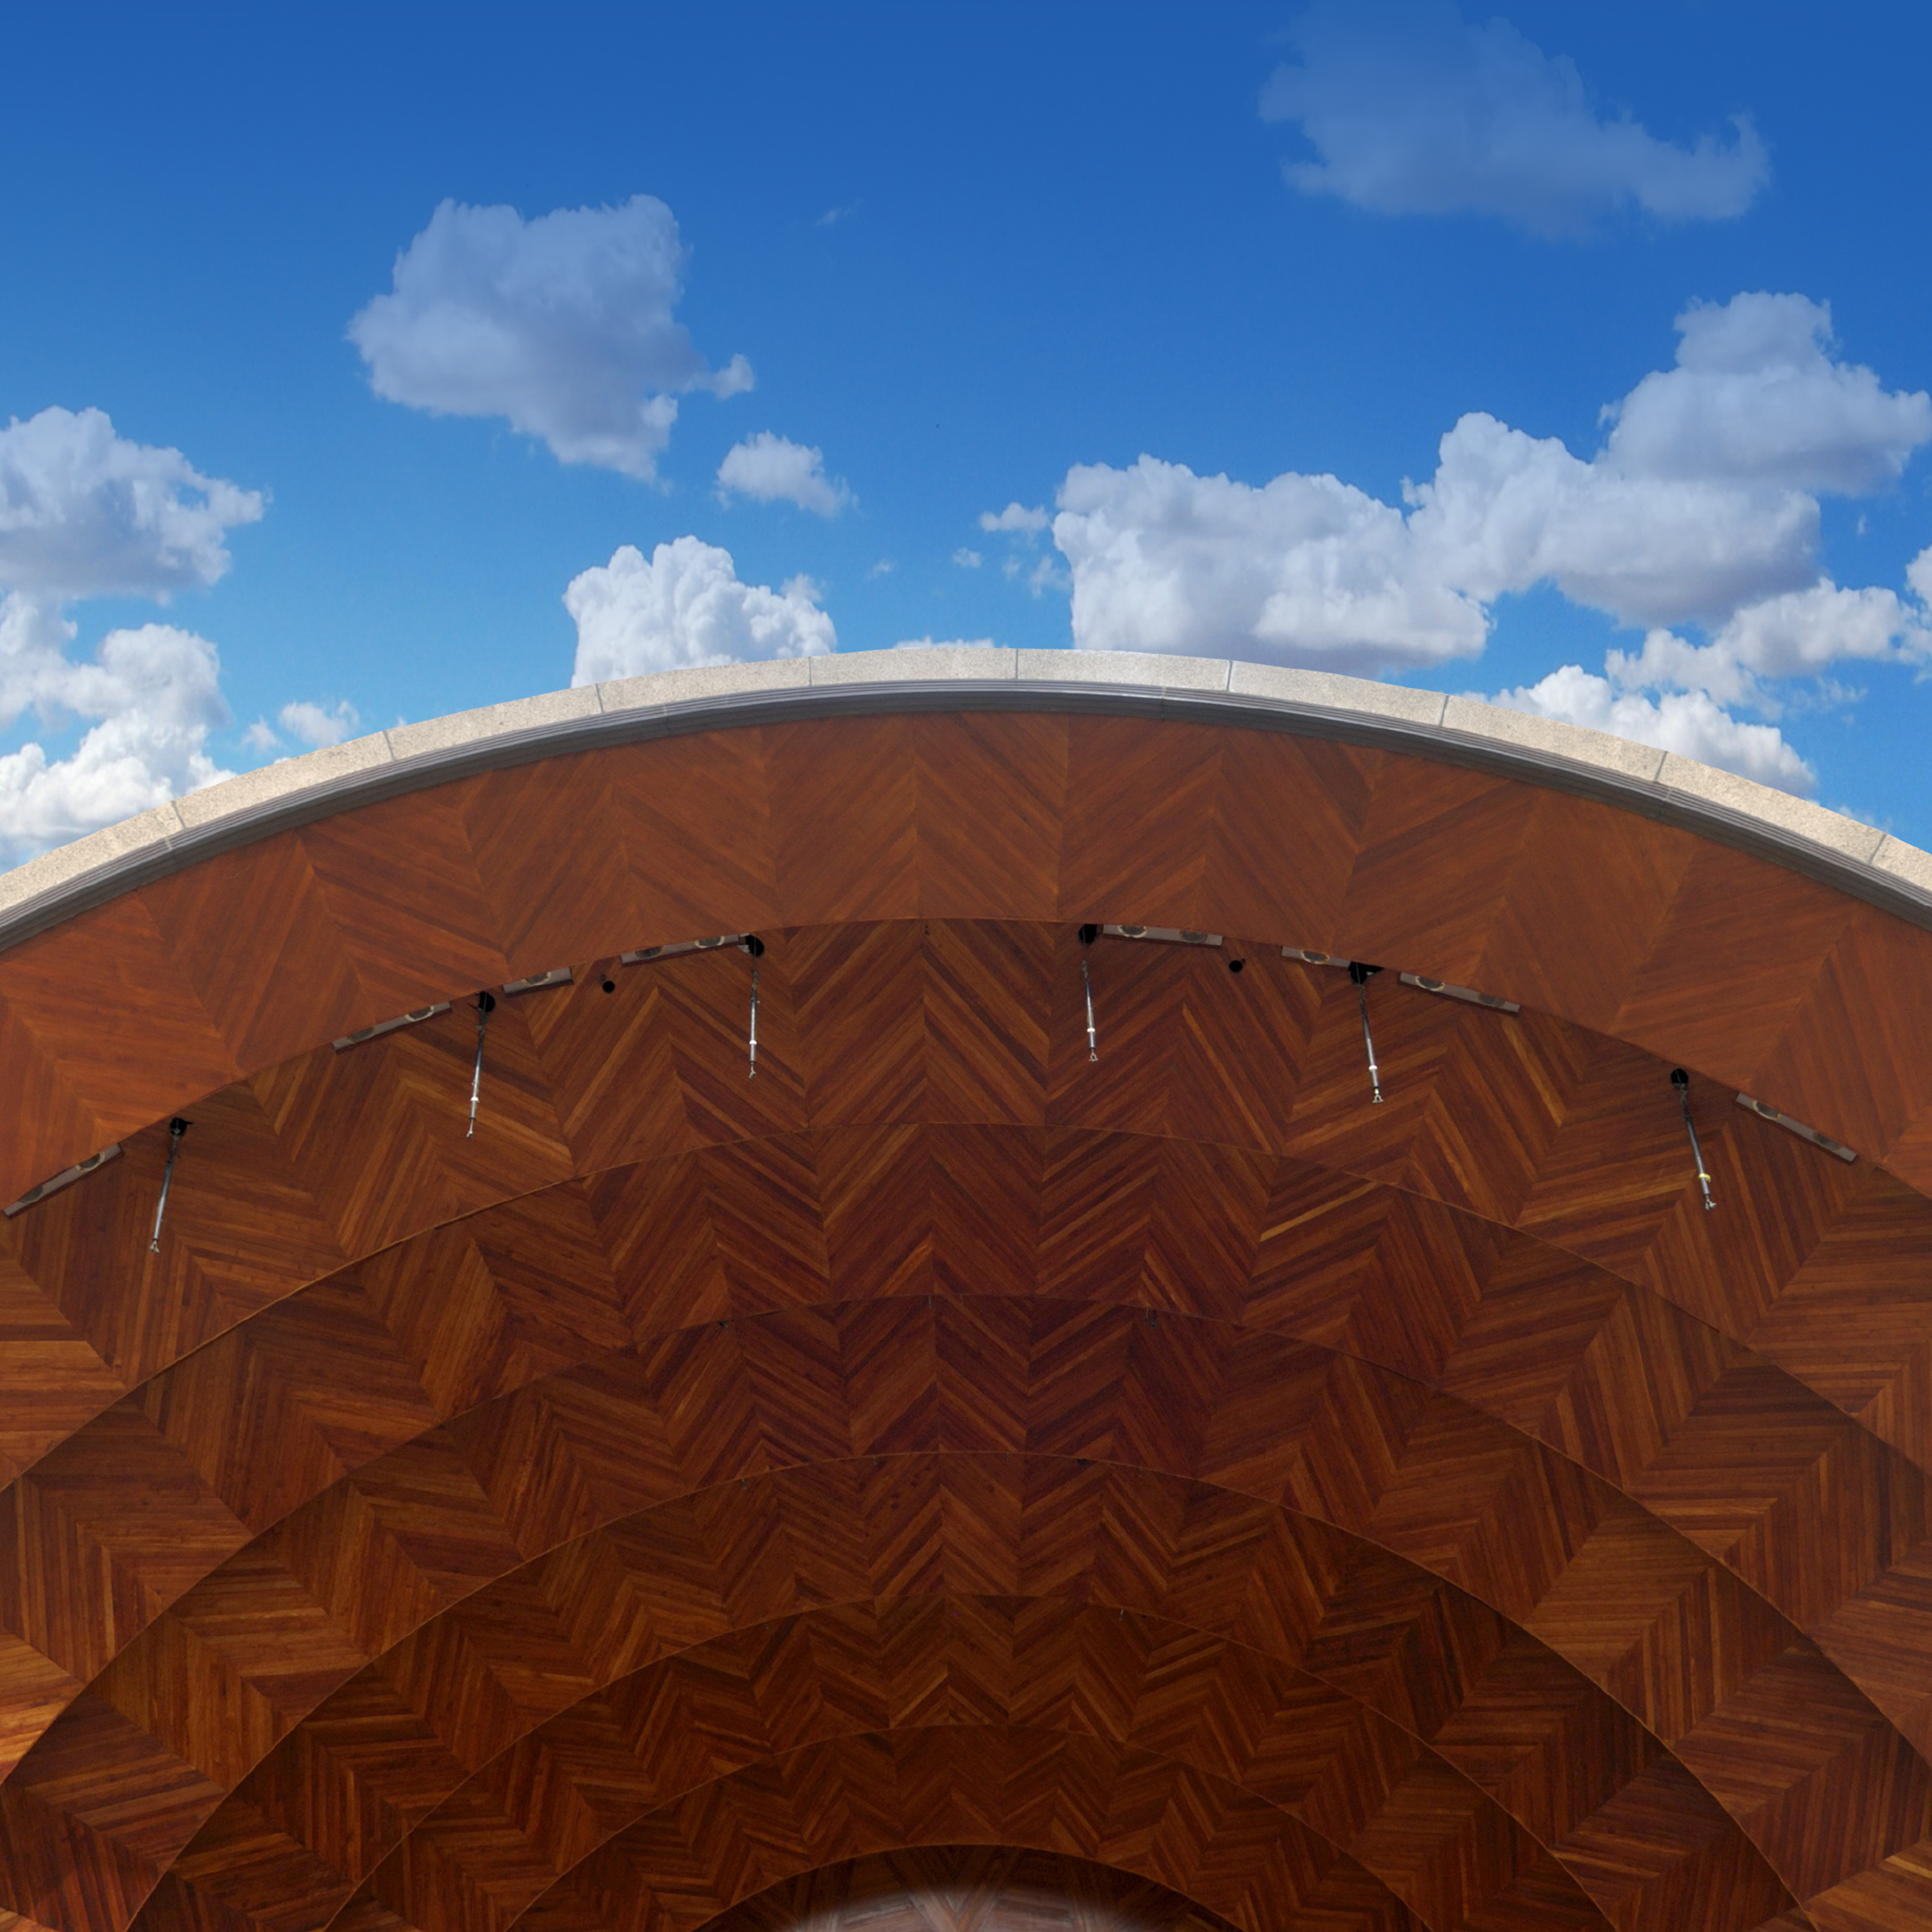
[1858, 859]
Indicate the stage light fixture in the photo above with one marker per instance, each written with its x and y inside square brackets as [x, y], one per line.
[557, 976]
[644, 955]
[65, 1177]
[1172, 935]
[1837, 1149]
[1681, 1084]
[1423, 983]
[365, 1035]
[176, 1127]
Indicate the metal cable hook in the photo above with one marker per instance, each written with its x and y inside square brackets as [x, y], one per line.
[755, 947]
[176, 1127]
[486, 1005]
[1362, 975]
[1088, 934]
[1681, 1084]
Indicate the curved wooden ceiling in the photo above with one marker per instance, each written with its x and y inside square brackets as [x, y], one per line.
[1329, 1515]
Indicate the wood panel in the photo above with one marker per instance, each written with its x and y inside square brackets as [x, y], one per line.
[756, 1271]
[1501, 1709]
[116, 1018]
[877, 1669]
[408, 1539]
[1590, 1526]
[1594, 1137]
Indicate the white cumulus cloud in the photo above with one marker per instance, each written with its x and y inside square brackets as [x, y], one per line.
[684, 606]
[1701, 509]
[1755, 397]
[1302, 570]
[769, 469]
[1682, 696]
[1412, 110]
[1506, 510]
[315, 725]
[155, 693]
[86, 513]
[1703, 500]
[1690, 723]
[1016, 519]
[1704, 495]
[1800, 633]
[563, 324]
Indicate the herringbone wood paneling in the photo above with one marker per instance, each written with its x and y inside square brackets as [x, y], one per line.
[343, 1533]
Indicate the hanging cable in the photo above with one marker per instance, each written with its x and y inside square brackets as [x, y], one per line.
[755, 947]
[176, 1127]
[1087, 936]
[1681, 1082]
[486, 1005]
[1362, 975]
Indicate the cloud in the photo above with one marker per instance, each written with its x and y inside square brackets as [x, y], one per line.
[155, 692]
[1303, 569]
[563, 326]
[1412, 110]
[1799, 634]
[1703, 501]
[769, 469]
[1024, 524]
[1044, 576]
[1756, 399]
[686, 606]
[1016, 519]
[1700, 509]
[1505, 511]
[315, 725]
[968, 560]
[1691, 723]
[86, 513]
[1704, 495]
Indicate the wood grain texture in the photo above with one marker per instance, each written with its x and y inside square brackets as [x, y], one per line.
[120, 1016]
[883, 1186]
[694, 1483]
[1169, 1580]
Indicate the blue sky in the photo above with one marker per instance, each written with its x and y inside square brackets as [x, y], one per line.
[352, 453]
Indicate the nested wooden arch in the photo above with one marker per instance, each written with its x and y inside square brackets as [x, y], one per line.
[1664, 1627]
[1657, 1368]
[1209, 1611]
[210, 1402]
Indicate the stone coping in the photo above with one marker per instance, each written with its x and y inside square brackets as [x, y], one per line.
[1859, 859]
